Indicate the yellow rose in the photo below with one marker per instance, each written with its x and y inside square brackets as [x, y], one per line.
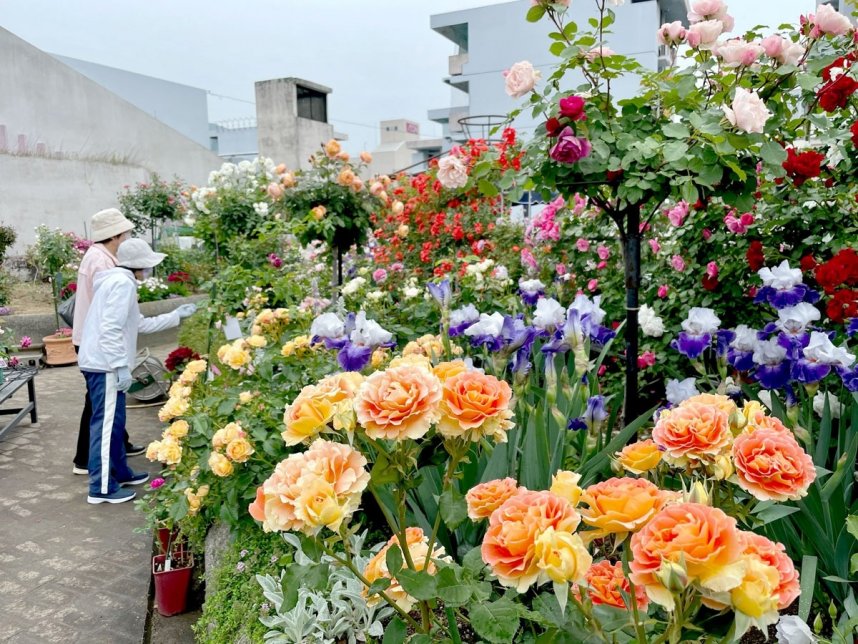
[561, 555]
[379, 357]
[402, 231]
[317, 506]
[639, 457]
[239, 450]
[196, 366]
[219, 464]
[282, 314]
[318, 212]
[179, 429]
[170, 452]
[308, 415]
[756, 595]
[226, 435]
[245, 397]
[152, 450]
[257, 341]
[181, 388]
[413, 360]
[565, 484]
[173, 408]
[445, 370]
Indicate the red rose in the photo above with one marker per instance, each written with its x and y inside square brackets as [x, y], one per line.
[854, 130]
[835, 94]
[808, 263]
[755, 257]
[572, 107]
[843, 64]
[553, 126]
[710, 283]
[843, 305]
[801, 166]
[614, 175]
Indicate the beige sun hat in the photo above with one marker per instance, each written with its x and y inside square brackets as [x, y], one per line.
[136, 253]
[108, 223]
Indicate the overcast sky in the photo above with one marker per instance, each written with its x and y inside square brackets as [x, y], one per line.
[380, 56]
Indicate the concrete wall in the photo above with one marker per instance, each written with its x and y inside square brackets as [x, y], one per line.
[235, 143]
[183, 108]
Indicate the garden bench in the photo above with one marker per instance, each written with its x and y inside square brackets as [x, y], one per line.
[13, 380]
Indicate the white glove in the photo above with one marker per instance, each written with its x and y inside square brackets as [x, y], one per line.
[123, 379]
[186, 310]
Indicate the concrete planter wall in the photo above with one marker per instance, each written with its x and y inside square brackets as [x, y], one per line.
[40, 325]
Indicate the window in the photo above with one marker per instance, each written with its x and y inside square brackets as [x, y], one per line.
[312, 104]
[213, 144]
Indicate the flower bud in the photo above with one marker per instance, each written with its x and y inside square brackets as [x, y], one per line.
[672, 576]
[698, 494]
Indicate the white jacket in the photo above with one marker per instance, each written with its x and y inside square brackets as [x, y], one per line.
[109, 338]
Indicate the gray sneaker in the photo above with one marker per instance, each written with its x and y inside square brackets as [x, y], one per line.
[120, 496]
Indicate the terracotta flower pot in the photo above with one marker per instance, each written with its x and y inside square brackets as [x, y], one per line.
[171, 586]
[59, 350]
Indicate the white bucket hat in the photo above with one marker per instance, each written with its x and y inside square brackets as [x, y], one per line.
[109, 223]
[136, 253]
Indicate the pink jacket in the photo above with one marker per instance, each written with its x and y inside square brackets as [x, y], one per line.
[96, 259]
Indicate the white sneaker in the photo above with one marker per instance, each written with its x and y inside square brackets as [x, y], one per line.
[79, 470]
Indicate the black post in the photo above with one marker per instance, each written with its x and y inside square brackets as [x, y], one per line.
[633, 284]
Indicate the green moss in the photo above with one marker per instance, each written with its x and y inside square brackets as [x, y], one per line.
[234, 610]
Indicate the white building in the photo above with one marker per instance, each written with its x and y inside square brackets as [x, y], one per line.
[490, 39]
[401, 148]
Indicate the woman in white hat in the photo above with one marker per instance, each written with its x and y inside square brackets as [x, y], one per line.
[107, 351]
[109, 229]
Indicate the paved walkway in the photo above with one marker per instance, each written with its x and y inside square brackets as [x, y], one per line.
[69, 571]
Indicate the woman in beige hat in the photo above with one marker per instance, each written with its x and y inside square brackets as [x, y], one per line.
[109, 229]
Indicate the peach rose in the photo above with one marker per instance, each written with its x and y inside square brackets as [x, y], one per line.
[196, 366]
[761, 421]
[398, 403]
[774, 555]
[701, 541]
[220, 465]
[275, 500]
[639, 457]
[179, 429]
[606, 584]
[565, 484]
[173, 408]
[239, 450]
[365, 157]
[445, 370]
[309, 414]
[510, 541]
[561, 555]
[170, 452]
[620, 505]
[342, 466]
[418, 547]
[521, 78]
[346, 177]
[332, 148]
[318, 506]
[772, 466]
[452, 172]
[340, 386]
[694, 432]
[475, 405]
[485, 498]
[226, 435]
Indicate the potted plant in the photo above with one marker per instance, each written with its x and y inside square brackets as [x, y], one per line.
[54, 251]
[172, 572]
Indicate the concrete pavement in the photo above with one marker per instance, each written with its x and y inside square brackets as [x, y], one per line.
[69, 571]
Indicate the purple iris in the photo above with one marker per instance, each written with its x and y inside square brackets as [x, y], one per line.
[531, 291]
[595, 414]
[576, 424]
[353, 357]
[783, 298]
[462, 318]
[852, 327]
[849, 378]
[740, 360]
[601, 335]
[773, 376]
[441, 292]
[723, 338]
[691, 346]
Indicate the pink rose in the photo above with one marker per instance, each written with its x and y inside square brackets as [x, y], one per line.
[783, 50]
[739, 53]
[677, 263]
[712, 269]
[592, 285]
[452, 172]
[654, 245]
[572, 107]
[829, 21]
[739, 225]
[379, 275]
[569, 148]
[663, 290]
[603, 252]
[561, 269]
[671, 34]
[706, 234]
[646, 359]
[521, 78]
[599, 52]
[274, 190]
[580, 204]
[602, 370]
[582, 245]
[678, 213]
[528, 259]
[704, 35]
[703, 10]
[602, 265]
[748, 111]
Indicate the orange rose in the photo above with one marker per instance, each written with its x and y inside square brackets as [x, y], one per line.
[509, 544]
[332, 148]
[606, 584]
[475, 405]
[699, 541]
[620, 505]
[774, 555]
[639, 457]
[724, 403]
[761, 421]
[692, 433]
[340, 386]
[445, 370]
[485, 498]
[346, 177]
[772, 466]
[398, 403]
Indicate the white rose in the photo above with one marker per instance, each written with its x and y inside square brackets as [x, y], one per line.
[793, 630]
[327, 325]
[651, 324]
[452, 172]
[500, 273]
[781, 276]
[368, 332]
[549, 314]
[700, 321]
[833, 404]
[410, 292]
[353, 286]
[676, 391]
[829, 21]
[748, 111]
[375, 296]
[521, 78]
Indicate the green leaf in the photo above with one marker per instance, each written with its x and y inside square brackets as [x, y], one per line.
[379, 585]
[496, 621]
[710, 175]
[395, 632]
[226, 406]
[473, 561]
[675, 130]
[421, 638]
[382, 471]
[393, 559]
[775, 512]
[852, 525]
[689, 192]
[454, 510]
[674, 151]
[853, 565]
[556, 48]
[419, 584]
[316, 577]
[772, 153]
[535, 13]
[487, 188]
[808, 583]
[451, 590]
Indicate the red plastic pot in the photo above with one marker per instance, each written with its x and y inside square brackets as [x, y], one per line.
[169, 540]
[171, 586]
